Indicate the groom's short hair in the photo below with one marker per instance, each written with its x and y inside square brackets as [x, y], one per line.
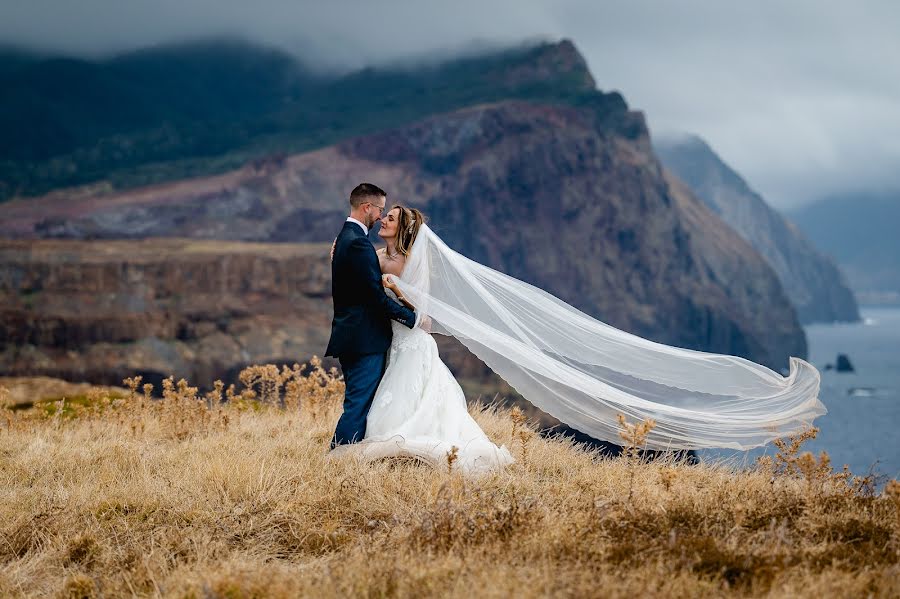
[363, 192]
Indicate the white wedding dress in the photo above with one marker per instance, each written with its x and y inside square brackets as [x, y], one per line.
[419, 411]
[583, 371]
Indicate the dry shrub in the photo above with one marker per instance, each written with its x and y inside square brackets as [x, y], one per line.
[319, 389]
[635, 438]
[452, 456]
[521, 433]
[815, 471]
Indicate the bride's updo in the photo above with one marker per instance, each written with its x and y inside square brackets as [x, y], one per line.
[408, 225]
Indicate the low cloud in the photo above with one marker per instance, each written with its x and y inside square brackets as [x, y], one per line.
[801, 98]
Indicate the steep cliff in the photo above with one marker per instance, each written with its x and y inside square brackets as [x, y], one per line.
[811, 280]
[569, 198]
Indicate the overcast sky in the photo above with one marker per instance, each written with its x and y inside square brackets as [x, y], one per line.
[801, 97]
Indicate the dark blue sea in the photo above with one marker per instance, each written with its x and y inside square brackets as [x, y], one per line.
[862, 427]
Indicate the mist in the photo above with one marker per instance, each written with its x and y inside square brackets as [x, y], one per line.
[801, 98]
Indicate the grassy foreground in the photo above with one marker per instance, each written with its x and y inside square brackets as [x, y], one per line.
[186, 498]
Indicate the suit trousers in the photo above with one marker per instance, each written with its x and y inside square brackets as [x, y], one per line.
[362, 373]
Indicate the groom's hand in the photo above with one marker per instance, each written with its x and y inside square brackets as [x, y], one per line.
[333, 245]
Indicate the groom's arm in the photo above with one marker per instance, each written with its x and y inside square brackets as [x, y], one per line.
[365, 264]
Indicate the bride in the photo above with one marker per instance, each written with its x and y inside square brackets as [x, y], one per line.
[419, 410]
[570, 365]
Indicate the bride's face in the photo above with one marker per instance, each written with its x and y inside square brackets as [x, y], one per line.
[389, 224]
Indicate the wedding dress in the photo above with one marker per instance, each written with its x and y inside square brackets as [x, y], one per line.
[419, 411]
[570, 365]
[574, 367]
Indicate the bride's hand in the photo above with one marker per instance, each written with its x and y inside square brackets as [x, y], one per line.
[388, 281]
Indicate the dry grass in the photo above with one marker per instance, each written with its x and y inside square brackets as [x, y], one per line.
[187, 497]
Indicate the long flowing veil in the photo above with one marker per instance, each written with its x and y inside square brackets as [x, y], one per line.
[585, 372]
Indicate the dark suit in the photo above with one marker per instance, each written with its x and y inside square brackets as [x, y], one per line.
[361, 328]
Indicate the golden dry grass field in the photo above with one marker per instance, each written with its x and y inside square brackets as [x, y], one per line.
[113, 494]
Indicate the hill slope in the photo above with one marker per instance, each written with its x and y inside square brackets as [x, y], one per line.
[811, 280]
[200, 108]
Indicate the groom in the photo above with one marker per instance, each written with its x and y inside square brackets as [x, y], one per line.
[361, 329]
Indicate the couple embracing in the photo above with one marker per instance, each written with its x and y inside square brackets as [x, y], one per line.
[401, 400]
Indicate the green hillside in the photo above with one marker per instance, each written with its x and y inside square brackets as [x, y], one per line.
[203, 107]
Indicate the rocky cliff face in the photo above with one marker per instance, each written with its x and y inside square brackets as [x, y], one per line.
[811, 280]
[102, 311]
[584, 210]
[569, 198]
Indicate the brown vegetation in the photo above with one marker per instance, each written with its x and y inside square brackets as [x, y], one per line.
[190, 496]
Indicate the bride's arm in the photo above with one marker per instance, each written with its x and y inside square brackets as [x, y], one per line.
[388, 281]
[364, 264]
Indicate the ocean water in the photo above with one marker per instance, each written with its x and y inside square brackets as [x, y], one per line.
[862, 426]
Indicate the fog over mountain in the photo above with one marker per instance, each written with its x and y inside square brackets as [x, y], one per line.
[859, 231]
[801, 98]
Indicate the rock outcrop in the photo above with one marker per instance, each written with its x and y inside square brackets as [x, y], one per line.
[811, 280]
[569, 198]
[103, 311]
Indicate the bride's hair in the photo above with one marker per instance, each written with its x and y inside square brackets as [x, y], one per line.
[408, 225]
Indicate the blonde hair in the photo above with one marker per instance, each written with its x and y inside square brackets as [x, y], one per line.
[408, 222]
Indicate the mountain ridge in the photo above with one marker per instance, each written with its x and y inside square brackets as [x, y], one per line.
[175, 111]
[610, 235]
[812, 280]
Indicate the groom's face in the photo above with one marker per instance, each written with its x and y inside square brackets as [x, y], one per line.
[374, 208]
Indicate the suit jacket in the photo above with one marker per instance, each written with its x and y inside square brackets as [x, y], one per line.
[362, 310]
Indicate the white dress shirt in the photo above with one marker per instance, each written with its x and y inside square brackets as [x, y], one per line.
[364, 228]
